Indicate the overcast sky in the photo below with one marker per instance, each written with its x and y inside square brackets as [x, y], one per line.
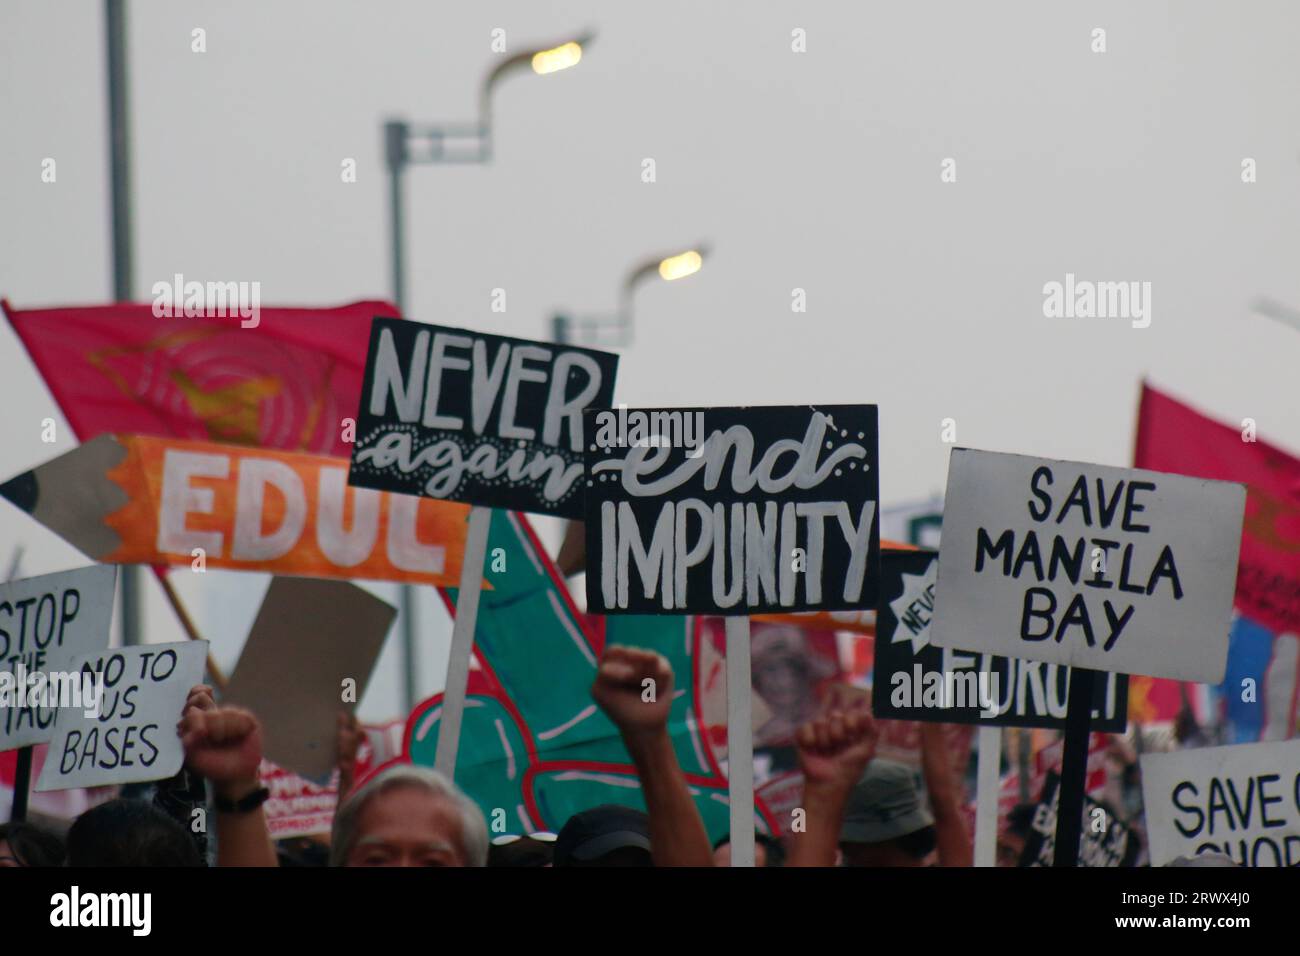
[817, 170]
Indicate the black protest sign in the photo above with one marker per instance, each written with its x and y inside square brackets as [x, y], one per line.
[1104, 840]
[732, 510]
[1108, 569]
[914, 680]
[484, 419]
[126, 731]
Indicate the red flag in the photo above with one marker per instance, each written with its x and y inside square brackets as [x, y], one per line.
[1173, 437]
[287, 383]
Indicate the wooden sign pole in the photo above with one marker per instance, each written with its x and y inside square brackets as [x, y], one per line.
[987, 791]
[187, 625]
[740, 742]
[462, 640]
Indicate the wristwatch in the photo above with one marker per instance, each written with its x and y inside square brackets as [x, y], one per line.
[244, 804]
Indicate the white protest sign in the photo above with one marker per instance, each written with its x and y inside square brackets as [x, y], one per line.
[1113, 569]
[46, 623]
[130, 733]
[1242, 801]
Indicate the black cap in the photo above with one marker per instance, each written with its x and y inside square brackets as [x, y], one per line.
[593, 833]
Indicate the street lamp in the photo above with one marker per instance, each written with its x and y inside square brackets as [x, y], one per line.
[408, 144]
[668, 268]
[572, 555]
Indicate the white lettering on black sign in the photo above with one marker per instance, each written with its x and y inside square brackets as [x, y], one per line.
[774, 510]
[912, 678]
[484, 419]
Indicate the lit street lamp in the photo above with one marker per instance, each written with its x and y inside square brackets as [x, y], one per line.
[573, 548]
[667, 268]
[407, 144]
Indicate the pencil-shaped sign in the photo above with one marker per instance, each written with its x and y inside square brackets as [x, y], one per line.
[142, 500]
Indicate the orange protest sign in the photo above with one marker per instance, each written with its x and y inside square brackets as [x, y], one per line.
[130, 499]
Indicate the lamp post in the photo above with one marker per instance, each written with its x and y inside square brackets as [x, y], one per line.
[572, 555]
[410, 144]
[668, 268]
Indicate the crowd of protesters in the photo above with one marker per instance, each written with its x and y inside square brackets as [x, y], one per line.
[857, 809]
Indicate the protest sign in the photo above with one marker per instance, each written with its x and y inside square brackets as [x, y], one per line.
[485, 419]
[914, 680]
[129, 734]
[1110, 569]
[142, 500]
[308, 656]
[732, 510]
[1242, 800]
[46, 623]
[734, 502]
[1106, 840]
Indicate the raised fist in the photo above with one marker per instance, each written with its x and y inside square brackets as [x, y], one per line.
[223, 744]
[836, 747]
[634, 687]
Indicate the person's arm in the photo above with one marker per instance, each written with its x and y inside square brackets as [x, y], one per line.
[677, 834]
[224, 745]
[951, 835]
[186, 793]
[834, 751]
[573, 549]
[348, 737]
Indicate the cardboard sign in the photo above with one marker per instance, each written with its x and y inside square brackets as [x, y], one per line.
[310, 637]
[732, 510]
[1104, 840]
[143, 500]
[915, 680]
[485, 419]
[131, 734]
[1243, 801]
[46, 623]
[1113, 569]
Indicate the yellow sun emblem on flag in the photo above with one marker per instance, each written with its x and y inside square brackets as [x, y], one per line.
[231, 413]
